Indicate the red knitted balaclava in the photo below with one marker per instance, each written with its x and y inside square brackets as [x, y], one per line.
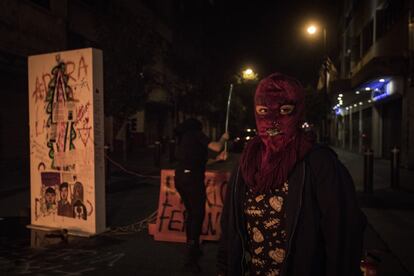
[279, 109]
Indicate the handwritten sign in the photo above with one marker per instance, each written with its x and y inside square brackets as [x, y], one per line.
[170, 223]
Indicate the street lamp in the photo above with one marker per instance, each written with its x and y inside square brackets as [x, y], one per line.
[247, 74]
[313, 29]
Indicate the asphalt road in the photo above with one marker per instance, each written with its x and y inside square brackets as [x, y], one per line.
[131, 199]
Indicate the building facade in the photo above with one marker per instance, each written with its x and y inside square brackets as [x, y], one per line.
[30, 27]
[375, 107]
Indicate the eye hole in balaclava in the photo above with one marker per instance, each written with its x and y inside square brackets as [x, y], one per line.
[285, 109]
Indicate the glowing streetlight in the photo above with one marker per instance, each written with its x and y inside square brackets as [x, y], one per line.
[311, 29]
[249, 74]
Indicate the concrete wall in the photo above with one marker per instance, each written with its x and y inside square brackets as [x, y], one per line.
[30, 29]
[14, 144]
[384, 46]
[407, 147]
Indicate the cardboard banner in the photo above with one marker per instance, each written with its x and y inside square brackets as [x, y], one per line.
[66, 141]
[170, 223]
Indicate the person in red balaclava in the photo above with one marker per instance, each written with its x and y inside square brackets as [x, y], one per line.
[291, 208]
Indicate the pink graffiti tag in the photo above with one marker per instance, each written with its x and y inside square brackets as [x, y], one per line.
[40, 87]
[84, 134]
[83, 109]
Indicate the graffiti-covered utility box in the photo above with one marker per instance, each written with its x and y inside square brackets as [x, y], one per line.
[67, 169]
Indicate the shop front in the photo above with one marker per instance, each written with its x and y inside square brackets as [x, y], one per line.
[370, 116]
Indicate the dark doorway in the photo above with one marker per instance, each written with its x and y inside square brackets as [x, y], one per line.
[366, 129]
[355, 131]
[346, 130]
[14, 121]
[391, 127]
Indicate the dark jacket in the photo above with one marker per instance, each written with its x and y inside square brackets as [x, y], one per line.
[324, 223]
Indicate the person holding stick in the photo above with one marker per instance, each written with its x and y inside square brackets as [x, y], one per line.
[192, 157]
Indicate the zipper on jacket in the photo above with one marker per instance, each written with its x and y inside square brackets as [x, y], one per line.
[297, 213]
[237, 220]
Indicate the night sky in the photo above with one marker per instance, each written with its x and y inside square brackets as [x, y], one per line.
[270, 36]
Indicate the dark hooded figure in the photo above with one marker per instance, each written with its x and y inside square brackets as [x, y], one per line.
[192, 156]
[291, 208]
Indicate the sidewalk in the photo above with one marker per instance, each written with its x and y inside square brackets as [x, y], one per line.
[389, 212]
[355, 164]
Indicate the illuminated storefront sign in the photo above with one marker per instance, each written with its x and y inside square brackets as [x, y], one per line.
[369, 92]
[382, 87]
[339, 111]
